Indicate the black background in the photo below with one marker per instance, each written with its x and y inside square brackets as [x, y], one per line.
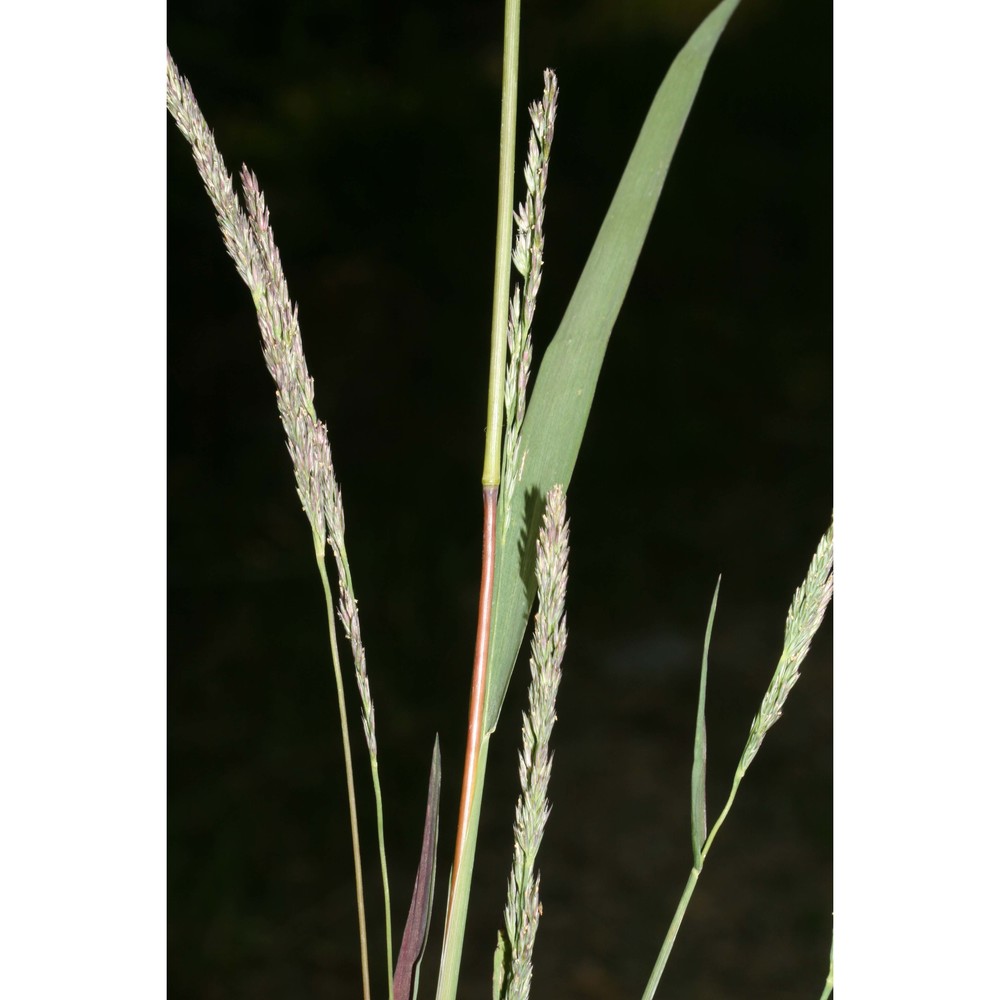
[373, 131]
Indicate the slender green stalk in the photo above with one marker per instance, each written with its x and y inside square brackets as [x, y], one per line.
[349, 767]
[681, 911]
[475, 758]
[385, 872]
[348, 609]
[668, 941]
[527, 258]
[475, 765]
[461, 885]
[722, 818]
[505, 216]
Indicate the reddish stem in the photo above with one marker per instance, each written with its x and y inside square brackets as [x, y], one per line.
[477, 698]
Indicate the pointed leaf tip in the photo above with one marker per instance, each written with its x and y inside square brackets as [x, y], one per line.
[411, 948]
[699, 770]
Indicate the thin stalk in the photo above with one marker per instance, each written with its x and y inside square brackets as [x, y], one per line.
[668, 941]
[350, 619]
[477, 697]
[722, 817]
[675, 924]
[472, 780]
[385, 873]
[451, 952]
[348, 768]
[505, 229]
[828, 985]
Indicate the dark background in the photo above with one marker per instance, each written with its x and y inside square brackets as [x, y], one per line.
[373, 131]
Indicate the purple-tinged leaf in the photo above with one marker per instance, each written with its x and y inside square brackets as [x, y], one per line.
[411, 948]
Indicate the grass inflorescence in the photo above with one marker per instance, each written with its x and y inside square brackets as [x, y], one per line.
[250, 241]
[512, 976]
[527, 257]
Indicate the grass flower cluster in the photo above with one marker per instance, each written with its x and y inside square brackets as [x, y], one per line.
[804, 619]
[512, 965]
[527, 258]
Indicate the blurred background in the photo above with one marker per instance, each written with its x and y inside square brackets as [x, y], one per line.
[373, 129]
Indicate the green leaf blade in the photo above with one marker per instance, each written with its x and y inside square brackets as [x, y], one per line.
[567, 377]
[699, 769]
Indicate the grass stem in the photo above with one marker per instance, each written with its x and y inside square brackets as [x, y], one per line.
[348, 768]
[505, 228]
[722, 817]
[468, 810]
[385, 874]
[668, 941]
[477, 697]
[472, 780]
[451, 952]
[350, 619]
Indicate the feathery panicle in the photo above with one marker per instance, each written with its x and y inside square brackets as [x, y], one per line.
[548, 644]
[308, 442]
[250, 241]
[235, 228]
[527, 258]
[805, 615]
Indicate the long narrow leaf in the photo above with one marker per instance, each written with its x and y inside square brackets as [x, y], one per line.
[567, 377]
[411, 949]
[699, 770]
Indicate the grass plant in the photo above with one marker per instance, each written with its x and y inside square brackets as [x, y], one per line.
[532, 442]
